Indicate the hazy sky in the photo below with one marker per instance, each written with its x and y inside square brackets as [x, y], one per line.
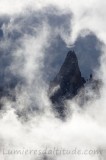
[35, 36]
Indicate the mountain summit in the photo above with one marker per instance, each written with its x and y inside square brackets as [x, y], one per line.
[67, 82]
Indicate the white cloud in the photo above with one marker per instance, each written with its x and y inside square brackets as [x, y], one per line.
[86, 128]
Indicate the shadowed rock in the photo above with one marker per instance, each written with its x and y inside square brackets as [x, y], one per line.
[67, 83]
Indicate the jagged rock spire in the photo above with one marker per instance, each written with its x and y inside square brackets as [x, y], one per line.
[67, 82]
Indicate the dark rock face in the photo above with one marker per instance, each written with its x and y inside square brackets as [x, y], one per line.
[67, 83]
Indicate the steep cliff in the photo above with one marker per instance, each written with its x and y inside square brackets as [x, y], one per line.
[67, 82]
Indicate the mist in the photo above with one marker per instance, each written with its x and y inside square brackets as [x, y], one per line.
[35, 37]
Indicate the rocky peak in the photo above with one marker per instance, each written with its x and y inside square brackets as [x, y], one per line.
[67, 82]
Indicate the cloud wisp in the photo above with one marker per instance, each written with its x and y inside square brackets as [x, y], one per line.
[34, 38]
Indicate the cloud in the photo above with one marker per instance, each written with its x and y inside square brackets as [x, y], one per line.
[35, 36]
